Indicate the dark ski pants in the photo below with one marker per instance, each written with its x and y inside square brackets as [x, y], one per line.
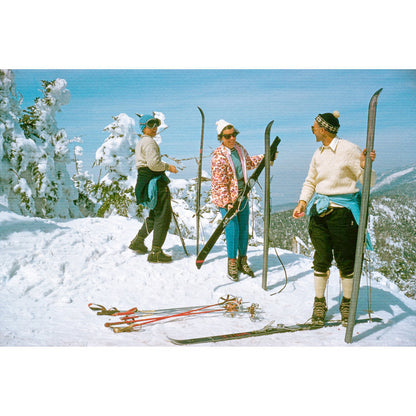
[159, 218]
[334, 235]
[236, 231]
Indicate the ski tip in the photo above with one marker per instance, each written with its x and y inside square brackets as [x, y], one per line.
[374, 98]
[175, 341]
[269, 126]
[199, 263]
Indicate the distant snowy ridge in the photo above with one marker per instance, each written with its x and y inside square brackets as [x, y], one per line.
[392, 178]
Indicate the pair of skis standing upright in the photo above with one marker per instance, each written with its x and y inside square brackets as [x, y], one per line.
[265, 164]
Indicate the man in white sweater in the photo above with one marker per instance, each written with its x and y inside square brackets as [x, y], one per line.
[332, 200]
[152, 191]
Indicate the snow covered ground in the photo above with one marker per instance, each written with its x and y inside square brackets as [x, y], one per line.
[51, 269]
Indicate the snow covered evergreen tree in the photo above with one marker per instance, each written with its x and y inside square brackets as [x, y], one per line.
[44, 168]
[84, 183]
[115, 190]
[12, 143]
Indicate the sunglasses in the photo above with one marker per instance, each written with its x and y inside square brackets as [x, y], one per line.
[228, 136]
[313, 128]
[154, 122]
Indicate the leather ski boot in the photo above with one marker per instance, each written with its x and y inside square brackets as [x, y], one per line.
[319, 311]
[232, 270]
[344, 308]
[158, 256]
[137, 245]
[243, 266]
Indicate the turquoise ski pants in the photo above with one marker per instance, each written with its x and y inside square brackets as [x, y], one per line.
[236, 231]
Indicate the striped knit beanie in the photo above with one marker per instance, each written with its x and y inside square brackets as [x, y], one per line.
[329, 121]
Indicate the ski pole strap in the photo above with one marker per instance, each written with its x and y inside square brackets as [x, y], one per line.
[101, 310]
[228, 298]
[130, 328]
[128, 312]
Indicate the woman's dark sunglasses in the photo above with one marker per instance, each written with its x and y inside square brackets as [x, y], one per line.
[228, 136]
[154, 122]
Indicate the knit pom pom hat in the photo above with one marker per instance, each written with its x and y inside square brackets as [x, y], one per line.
[329, 121]
[221, 125]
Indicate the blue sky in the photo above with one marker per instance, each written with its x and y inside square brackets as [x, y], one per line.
[247, 98]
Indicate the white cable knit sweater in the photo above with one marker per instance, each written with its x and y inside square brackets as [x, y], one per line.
[148, 155]
[334, 170]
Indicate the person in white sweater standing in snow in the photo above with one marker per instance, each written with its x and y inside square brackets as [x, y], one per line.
[152, 191]
[332, 200]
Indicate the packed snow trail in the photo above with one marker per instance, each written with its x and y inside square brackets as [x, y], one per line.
[50, 270]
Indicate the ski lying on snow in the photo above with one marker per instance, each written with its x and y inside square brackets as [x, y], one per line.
[267, 330]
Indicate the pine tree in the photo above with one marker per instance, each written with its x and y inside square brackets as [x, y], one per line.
[18, 154]
[45, 172]
[116, 156]
[84, 184]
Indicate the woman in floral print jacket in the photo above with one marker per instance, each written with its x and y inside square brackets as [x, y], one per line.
[229, 166]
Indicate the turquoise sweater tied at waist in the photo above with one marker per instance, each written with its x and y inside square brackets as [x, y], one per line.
[350, 201]
[152, 192]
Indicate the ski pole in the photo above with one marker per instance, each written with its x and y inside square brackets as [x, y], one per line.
[229, 306]
[234, 301]
[132, 317]
[102, 310]
[144, 321]
[138, 312]
[179, 232]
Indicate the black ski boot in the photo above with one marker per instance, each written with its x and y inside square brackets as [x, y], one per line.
[243, 266]
[344, 308]
[138, 246]
[232, 270]
[319, 312]
[158, 256]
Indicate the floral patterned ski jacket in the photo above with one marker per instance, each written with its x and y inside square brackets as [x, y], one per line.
[224, 187]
